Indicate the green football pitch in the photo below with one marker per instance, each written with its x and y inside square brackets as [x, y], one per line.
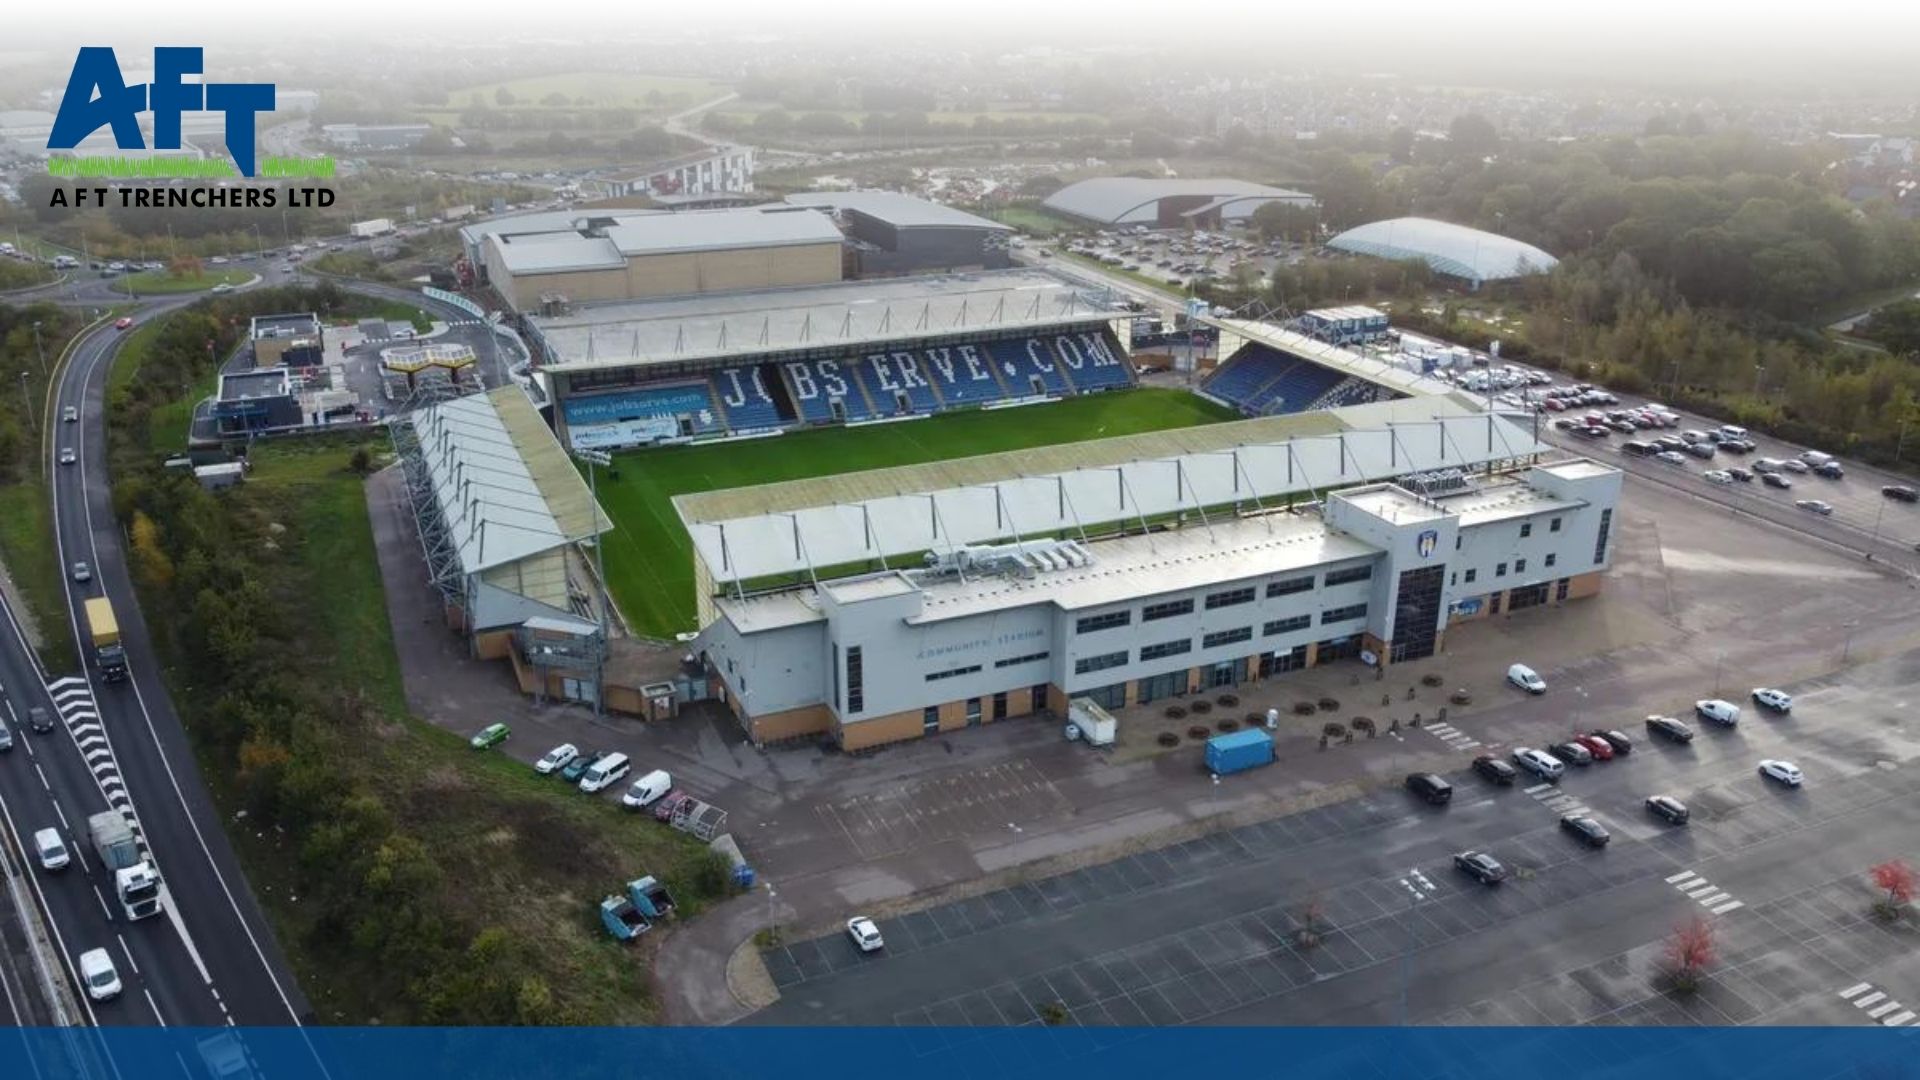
[650, 559]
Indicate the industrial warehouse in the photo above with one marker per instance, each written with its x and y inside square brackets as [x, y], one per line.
[1015, 593]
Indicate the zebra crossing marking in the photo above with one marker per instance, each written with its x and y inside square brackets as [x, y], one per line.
[1877, 1005]
[1452, 736]
[1708, 895]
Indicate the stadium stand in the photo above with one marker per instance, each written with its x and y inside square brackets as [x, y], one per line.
[1350, 391]
[963, 375]
[897, 383]
[747, 393]
[1092, 363]
[1260, 381]
[1025, 363]
[818, 386]
[688, 404]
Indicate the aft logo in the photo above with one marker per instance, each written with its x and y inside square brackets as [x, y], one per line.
[1426, 542]
[98, 96]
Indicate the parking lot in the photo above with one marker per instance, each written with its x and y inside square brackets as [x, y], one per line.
[1210, 930]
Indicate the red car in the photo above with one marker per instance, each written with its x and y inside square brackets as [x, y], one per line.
[663, 809]
[1601, 748]
[123, 323]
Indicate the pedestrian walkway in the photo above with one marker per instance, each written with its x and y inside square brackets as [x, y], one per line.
[1877, 1005]
[1704, 892]
[1452, 736]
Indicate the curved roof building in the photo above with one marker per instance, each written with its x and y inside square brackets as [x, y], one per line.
[1166, 203]
[1472, 255]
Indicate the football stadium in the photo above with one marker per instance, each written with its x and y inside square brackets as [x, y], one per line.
[874, 508]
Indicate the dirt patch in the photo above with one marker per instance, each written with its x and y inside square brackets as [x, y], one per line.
[747, 978]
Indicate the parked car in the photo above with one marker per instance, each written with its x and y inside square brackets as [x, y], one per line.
[556, 758]
[1600, 748]
[1745, 476]
[1700, 449]
[1590, 832]
[1783, 772]
[1481, 866]
[1794, 465]
[1769, 698]
[1526, 679]
[1811, 458]
[1670, 457]
[1816, 506]
[1715, 710]
[1775, 480]
[1621, 743]
[1431, 788]
[1830, 469]
[647, 790]
[1901, 493]
[1539, 763]
[1494, 769]
[1668, 808]
[573, 770]
[1717, 476]
[866, 936]
[490, 736]
[1571, 752]
[1666, 727]
[98, 974]
[664, 808]
[1768, 465]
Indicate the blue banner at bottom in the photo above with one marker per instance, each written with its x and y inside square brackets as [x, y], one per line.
[893, 1053]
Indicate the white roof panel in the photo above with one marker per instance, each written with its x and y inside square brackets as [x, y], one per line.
[1451, 249]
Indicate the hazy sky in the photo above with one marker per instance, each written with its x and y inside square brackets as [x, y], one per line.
[1766, 38]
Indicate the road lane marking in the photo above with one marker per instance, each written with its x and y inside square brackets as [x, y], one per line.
[135, 964]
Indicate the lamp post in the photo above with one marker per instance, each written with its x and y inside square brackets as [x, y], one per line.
[1419, 888]
[1759, 373]
[27, 400]
[37, 349]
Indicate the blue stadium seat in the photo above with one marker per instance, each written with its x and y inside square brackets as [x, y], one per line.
[891, 377]
[1023, 360]
[1091, 362]
[1244, 374]
[689, 405]
[747, 394]
[818, 384]
[1296, 389]
[964, 374]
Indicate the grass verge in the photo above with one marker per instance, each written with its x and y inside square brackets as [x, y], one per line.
[649, 557]
[162, 283]
[26, 545]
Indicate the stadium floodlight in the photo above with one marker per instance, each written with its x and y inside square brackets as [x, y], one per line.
[594, 457]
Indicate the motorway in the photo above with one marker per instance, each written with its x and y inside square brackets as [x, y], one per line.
[210, 958]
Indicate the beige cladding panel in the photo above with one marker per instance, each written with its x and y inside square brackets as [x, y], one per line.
[578, 286]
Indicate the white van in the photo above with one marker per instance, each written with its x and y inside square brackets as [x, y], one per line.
[51, 850]
[1733, 431]
[1815, 457]
[647, 790]
[604, 772]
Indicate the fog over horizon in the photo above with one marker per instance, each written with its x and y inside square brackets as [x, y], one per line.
[1762, 47]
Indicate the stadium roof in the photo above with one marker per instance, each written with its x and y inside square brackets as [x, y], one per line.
[1114, 199]
[544, 221]
[505, 487]
[792, 529]
[902, 211]
[554, 253]
[850, 314]
[1450, 249]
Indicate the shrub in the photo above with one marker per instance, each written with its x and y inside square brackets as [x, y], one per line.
[1460, 697]
[1176, 712]
[1328, 704]
[1431, 678]
[1198, 732]
[1227, 701]
[1334, 730]
[1303, 708]
[1201, 708]
[1254, 719]
[1227, 724]
[1362, 724]
[1167, 738]
[1053, 1014]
